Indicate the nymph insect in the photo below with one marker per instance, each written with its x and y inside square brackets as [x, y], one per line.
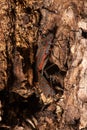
[42, 59]
[43, 52]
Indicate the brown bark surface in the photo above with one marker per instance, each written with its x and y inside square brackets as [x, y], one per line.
[43, 64]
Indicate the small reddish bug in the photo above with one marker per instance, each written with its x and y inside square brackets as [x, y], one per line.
[43, 52]
[42, 58]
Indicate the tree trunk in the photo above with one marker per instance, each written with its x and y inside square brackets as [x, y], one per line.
[43, 64]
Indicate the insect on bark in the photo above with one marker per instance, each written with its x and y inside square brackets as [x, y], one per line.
[43, 52]
[42, 58]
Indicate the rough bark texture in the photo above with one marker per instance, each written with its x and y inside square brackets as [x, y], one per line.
[43, 64]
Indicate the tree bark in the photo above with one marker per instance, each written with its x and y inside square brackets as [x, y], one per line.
[43, 64]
